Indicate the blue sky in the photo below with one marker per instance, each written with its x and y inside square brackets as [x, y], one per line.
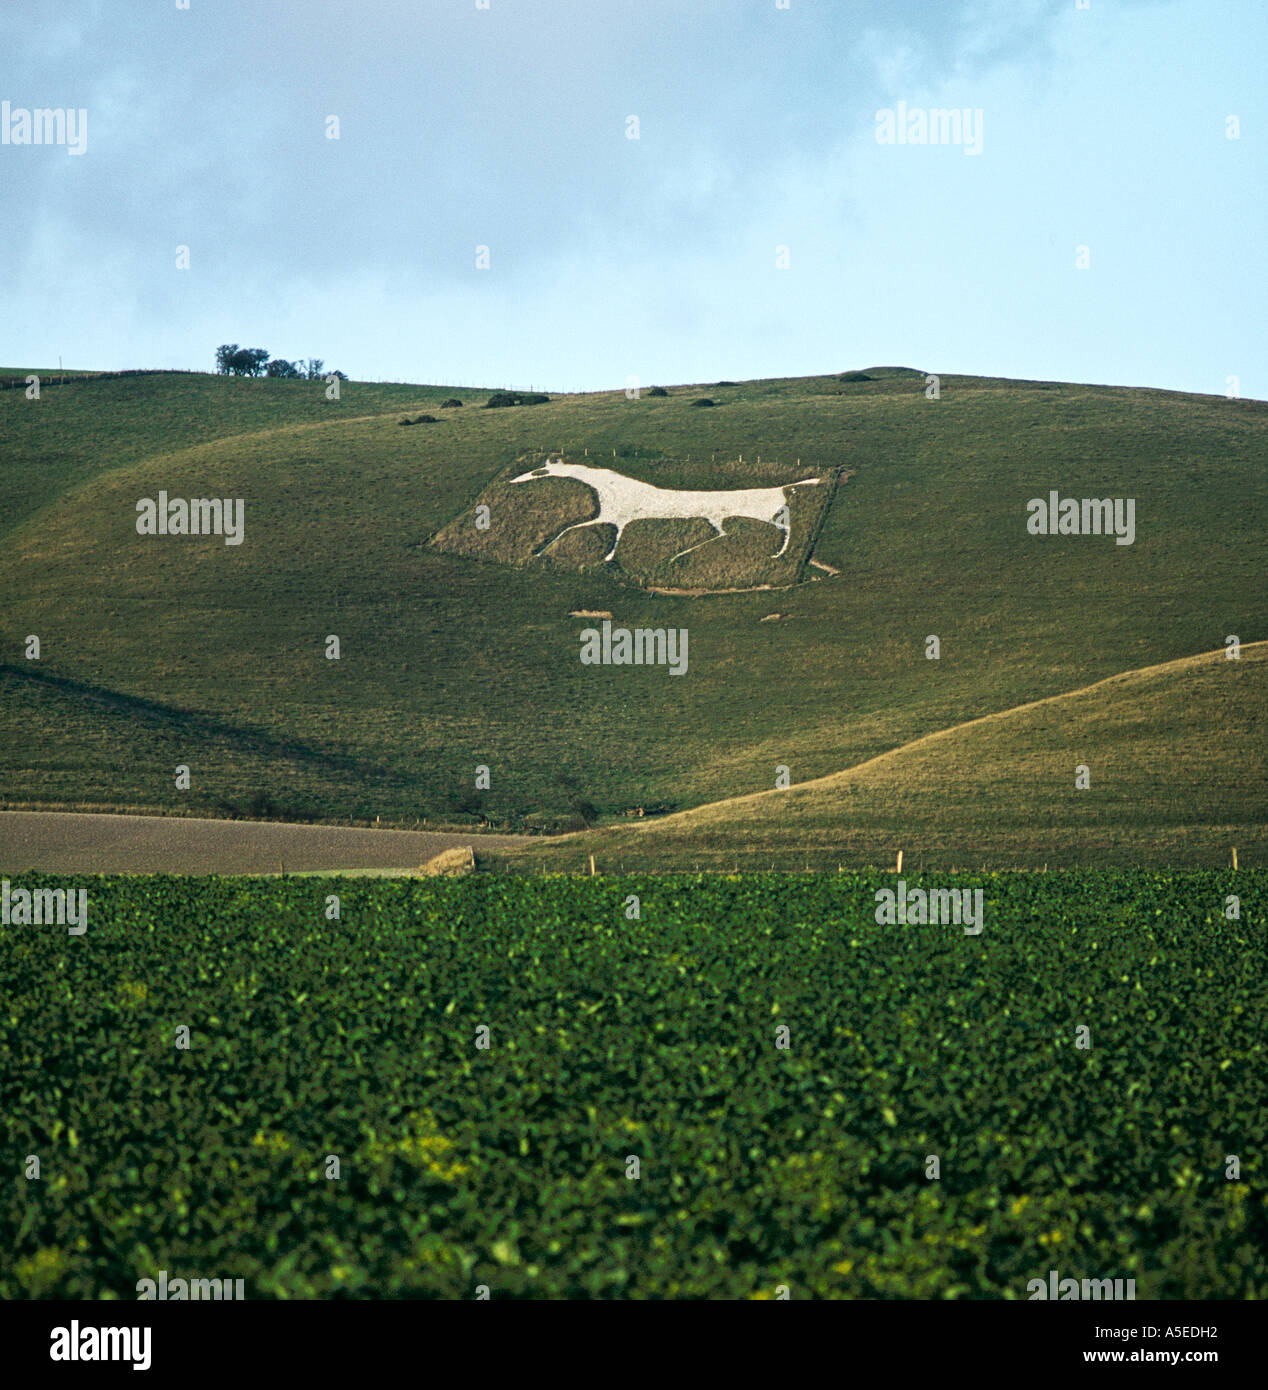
[656, 259]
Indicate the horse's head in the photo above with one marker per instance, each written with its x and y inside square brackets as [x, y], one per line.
[547, 470]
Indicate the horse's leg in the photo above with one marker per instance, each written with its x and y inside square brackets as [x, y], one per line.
[576, 526]
[698, 544]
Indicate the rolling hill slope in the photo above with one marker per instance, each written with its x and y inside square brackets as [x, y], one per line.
[1176, 760]
[159, 651]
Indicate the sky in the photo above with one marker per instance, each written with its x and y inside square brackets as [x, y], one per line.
[1100, 226]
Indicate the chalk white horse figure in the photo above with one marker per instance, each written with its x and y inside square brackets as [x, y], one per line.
[622, 500]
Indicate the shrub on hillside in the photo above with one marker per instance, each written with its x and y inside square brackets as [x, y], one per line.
[658, 391]
[505, 398]
[704, 400]
[451, 404]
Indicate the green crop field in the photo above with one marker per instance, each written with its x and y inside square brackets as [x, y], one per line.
[459, 652]
[765, 1158]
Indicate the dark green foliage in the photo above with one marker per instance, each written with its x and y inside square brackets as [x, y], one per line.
[453, 403]
[505, 398]
[231, 360]
[654, 1037]
[658, 391]
[264, 806]
[703, 401]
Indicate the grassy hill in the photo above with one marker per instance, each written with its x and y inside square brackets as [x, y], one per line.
[1177, 771]
[159, 651]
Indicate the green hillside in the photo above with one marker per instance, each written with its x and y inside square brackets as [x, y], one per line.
[1176, 763]
[158, 651]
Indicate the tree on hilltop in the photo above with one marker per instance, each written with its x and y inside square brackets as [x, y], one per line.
[231, 360]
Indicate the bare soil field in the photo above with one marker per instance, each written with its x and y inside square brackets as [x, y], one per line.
[72, 842]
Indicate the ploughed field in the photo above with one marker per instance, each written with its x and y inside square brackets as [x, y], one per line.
[634, 1127]
[70, 842]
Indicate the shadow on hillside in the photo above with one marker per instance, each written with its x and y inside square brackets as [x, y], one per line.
[202, 725]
